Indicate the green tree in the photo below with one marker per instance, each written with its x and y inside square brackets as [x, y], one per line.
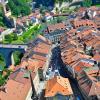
[16, 11]
[8, 38]
[87, 3]
[11, 37]
[1, 58]
[19, 7]
[25, 10]
[14, 36]
[2, 80]
[11, 4]
[1, 16]
[17, 57]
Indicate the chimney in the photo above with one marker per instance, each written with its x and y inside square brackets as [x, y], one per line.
[91, 52]
[98, 64]
[84, 46]
[95, 63]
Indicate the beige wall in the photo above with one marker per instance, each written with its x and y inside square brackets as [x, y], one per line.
[46, 65]
[36, 82]
[29, 94]
[36, 86]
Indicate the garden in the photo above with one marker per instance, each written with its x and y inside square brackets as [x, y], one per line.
[26, 36]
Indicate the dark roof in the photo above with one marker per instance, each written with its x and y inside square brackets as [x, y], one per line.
[37, 53]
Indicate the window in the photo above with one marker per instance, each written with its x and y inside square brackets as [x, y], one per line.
[86, 24]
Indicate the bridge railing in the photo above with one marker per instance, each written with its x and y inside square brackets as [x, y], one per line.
[13, 46]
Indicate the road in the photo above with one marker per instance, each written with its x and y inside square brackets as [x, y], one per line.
[57, 64]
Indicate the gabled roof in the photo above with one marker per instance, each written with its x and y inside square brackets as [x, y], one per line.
[80, 65]
[88, 81]
[30, 64]
[95, 89]
[58, 85]
[97, 57]
[15, 91]
[59, 26]
[91, 70]
[19, 74]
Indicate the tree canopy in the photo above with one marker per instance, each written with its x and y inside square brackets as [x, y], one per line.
[19, 7]
[1, 17]
[87, 3]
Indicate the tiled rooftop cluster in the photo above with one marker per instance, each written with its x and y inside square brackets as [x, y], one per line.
[80, 51]
[22, 20]
[92, 15]
[37, 52]
[18, 86]
[54, 32]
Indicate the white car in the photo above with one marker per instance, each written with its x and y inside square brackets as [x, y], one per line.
[56, 72]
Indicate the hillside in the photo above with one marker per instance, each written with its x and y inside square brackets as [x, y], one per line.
[19, 7]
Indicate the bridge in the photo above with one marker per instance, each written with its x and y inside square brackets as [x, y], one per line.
[7, 51]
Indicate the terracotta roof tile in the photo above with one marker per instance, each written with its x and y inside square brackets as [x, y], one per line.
[19, 74]
[79, 23]
[59, 26]
[97, 57]
[91, 70]
[38, 57]
[95, 89]
[58, 85]
[81, 65]
[15, 91]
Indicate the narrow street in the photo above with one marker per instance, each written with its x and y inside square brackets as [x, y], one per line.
[57, 65]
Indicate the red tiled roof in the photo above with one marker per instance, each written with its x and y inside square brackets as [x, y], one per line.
[78, 23]
[59, 26]
[95, 89]
[97, 57]
[15, 91]
[58, 85]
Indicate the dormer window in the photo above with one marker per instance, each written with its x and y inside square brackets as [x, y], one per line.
[86, 24]
[26, 67]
